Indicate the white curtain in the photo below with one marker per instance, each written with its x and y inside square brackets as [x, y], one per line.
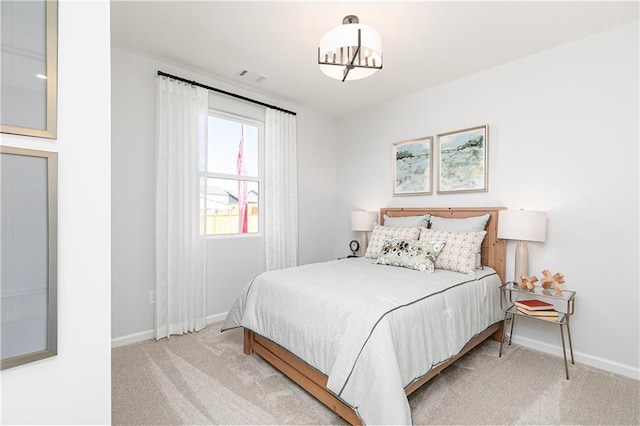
[181, 134]
[281, 190]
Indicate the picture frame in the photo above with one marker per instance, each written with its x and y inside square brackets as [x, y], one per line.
[412, 165]
[29, 58]
[463, 160]
[28, 265]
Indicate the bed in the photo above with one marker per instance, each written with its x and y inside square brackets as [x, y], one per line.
[365, 336]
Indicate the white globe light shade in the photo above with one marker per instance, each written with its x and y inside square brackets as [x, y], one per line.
[347, 36]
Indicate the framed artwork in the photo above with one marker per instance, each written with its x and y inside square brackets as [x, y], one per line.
[412, 164]
[28, 265]
[463, 160]
[29, 60]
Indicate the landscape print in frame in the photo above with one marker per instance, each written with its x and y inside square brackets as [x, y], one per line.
[463, 160]
[412, 164]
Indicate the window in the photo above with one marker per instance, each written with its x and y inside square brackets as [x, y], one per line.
[234, 175]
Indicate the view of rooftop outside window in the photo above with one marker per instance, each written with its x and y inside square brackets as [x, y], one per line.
[231, 205]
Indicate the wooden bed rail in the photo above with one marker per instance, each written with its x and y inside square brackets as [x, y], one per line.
[300, 372]
[315, 382]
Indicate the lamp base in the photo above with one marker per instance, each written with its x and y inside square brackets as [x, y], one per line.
[364, 243]
[522, 260]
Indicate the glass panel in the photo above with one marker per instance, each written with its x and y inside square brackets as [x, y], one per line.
[27, 260]
[539, 291]
[231, 206]
[233, 147]
[28, 60]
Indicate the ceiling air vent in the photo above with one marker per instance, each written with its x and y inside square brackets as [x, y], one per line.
[251, 76]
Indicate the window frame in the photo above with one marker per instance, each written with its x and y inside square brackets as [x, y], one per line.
[226, 115]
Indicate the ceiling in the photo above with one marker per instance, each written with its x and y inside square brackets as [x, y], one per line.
[425, 44]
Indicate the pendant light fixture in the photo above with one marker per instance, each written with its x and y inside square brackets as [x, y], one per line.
[351, 51]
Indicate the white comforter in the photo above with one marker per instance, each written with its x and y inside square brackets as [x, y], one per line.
[372, 329]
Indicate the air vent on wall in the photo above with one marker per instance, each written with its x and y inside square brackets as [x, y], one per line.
[251, 76]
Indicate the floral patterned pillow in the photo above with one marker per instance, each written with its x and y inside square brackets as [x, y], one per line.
[412, 254]
[381, 234]
[459, 252]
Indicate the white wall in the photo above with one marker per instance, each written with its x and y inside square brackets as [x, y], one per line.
[563, 137]
[232, 262]
[74, 387]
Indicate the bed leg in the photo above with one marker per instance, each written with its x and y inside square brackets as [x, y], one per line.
[248, 341]
[497, 336]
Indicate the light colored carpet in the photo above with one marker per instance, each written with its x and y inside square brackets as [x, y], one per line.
[205, 378]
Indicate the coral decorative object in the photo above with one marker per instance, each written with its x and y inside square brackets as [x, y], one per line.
[527, 282]
[553, 281]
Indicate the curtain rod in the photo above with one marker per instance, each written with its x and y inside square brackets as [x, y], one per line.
[195, 83]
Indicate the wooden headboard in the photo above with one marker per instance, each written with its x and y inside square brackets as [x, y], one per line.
[493, 249]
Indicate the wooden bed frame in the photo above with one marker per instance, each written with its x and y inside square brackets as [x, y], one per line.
[314, 382]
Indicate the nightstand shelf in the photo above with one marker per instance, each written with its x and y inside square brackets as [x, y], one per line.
[564, 303]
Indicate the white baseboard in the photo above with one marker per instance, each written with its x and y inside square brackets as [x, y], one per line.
[148, 334]
[581, 357]
[131, 338]
[216, 318]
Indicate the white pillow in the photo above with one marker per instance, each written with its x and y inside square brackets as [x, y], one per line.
[466, 224]
[381, 234]
[459, 252]
[406, 221]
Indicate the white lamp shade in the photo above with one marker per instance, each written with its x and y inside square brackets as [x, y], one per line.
[344, 36]
[363, 220]
[523, 225]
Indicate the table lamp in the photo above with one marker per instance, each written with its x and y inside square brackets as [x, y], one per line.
[363, 221]
[523, 226]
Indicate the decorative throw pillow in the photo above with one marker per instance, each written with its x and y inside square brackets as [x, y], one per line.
[466, 224]
[407, 221]
[381, 234]
[412, 254]
[460, 249]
